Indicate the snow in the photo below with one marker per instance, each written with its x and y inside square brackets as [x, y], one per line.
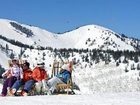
[4, 60]
[102, 78]
[97, 87]
[129, 98]
[123, 98]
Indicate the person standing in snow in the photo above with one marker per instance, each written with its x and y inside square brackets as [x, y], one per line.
[27, 81]
[12, 74]
[62, 77]
[40, 76]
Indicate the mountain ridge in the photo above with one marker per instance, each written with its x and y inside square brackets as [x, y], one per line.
[89, 36]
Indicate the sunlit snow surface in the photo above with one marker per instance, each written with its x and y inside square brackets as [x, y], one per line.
[95, 99]
[124, 98]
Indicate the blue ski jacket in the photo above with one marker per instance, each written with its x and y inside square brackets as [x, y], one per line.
[64, 76]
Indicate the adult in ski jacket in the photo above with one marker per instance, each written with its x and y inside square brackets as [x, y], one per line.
[62, 77]
[40, 76]
[27, 81]
[12, 74]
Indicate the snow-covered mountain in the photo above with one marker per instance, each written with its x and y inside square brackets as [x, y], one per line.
[16, 38]
[96, 51]
[90, 36]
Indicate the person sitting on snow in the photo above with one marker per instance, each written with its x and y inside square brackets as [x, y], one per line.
[62, 77]
[12, 74]
[40, 76]
[27, 81]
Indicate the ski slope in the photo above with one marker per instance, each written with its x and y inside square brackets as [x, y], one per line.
[96, 99]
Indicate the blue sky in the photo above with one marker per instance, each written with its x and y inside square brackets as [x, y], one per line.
[122, 16]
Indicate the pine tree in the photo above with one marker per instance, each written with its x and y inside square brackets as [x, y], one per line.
[126, 70]
[107, 58]
[12, 55]
[97, 60]
[132, 67]
[136, 59]
[138, 66]
[125, 60]
[7, 48]
[87, 58]
[117, 64]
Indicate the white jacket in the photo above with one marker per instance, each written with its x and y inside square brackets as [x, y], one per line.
[14, 71]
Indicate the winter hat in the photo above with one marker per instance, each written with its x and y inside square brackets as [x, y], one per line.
[65, 67]
[66, 61]
[14, 60]
[40, 64]
[27, 64]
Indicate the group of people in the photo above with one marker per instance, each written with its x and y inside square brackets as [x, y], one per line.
[22, 76]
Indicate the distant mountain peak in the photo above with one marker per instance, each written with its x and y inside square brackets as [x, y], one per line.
[88, 36]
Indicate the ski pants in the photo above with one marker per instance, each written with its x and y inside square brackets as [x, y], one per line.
[41, 86]
[8, 83]
[53, 82]
[27, 85]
